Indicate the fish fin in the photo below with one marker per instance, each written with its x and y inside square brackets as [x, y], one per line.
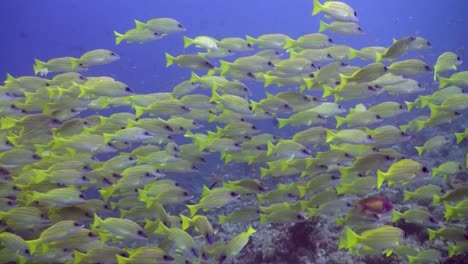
[118, 37]
[432, 234]
[339, 121]
[139, 25]
[193, 209]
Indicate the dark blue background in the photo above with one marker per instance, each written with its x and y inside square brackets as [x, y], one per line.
[52, 28]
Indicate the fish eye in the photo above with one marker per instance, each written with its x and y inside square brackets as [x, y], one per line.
[286, 105]
[347, 155]
[402, 133]
[10, 203]
[427, 67]
[313, 65]
[112, 54]
[385, 68]
[76, 224]
[331, 41]
[369, 137]
[36, 157]
[43, 216]
[314, 99]
[84, 178]
[311, 75]
[147, 174]
[359, 28]
[12, 106]
[207, 63]
[299, 216]
[233, 194]
[412, 38]
[328, 54]
[107, 207]
[458, 58]
[222, 258]
[401, 106]
[146, 133]
[428, 43]
[270, 63]
[340, 107]
[116, 175]
[245, 89]
[181, 128]
[180, 26]
[27, 252]
[355, 14]
[183, 107]
[7, 142]
[456, 113]
[81, 196]
[305, 151]
[425, 169]
[23, 111]
[141, 233]
[250, 108]
[155, 33]
[378, 117]
[127, 89]
[186, 194]
[167, 258]
[131, 158]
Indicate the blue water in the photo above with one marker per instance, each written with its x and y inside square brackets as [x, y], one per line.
[48, 29]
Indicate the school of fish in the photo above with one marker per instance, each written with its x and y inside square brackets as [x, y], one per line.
[77, 187]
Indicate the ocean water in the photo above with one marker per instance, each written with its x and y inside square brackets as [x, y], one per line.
[49, 29]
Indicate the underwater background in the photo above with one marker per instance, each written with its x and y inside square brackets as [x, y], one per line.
[50, 29]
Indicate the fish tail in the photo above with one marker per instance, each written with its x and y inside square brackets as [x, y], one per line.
[289, 44]
[343, 80]
[380, 178]
[460, 137]
[327, 91]
[436, 199]
[329, 136]
[185, 222]
[169, 59]
[292, 53]
[420, 150]
[409, 105]
[340, 189]
[121, 259]
[435, 110]
[193, 209]
[282, 122]
[222, 219]
[250, 230]
[312, 211]
[270, 148]
[40, 67]
[449, 211]
[250, 40]
[106, 193]
[187, 42]
[225, 66]
[452, 249]
[9, 79]
[339, 121]
[323, 26]
[406, 196]
[435, 172]
[118, 37]
[263, 218]
[342, 241]
[78, 256]
[317, 8]
[268, 80]
[396, 216]
[353, 53]
[139, 111]
[352, 239]
[443, 82]
[378, 57]
[33, 244]
[302, 191]
[432, 234]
